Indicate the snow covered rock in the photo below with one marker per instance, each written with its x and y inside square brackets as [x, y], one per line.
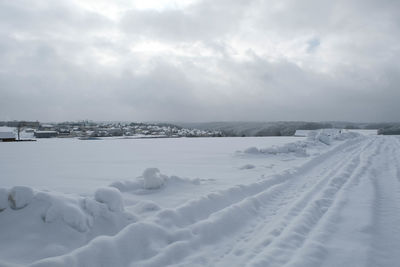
[111, 197]
[153, 179]
[20, 197]
[3, 199]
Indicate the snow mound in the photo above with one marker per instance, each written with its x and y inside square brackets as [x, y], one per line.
[151, 180]
[20, 197]
[111, 197]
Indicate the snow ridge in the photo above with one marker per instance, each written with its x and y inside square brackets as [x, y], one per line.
[299, 148]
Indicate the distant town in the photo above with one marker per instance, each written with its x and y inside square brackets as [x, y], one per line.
[95, 130]
[90, 130]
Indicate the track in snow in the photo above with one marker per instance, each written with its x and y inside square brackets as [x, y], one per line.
[340, 208]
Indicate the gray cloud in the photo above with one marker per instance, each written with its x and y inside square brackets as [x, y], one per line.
[202, 21]
[212, 60]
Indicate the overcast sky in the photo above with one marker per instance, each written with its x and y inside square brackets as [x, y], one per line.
[200, 60]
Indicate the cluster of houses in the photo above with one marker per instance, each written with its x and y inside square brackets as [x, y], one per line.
[89, 130]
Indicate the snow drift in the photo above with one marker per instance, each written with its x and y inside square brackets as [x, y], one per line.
[299, 148]
[151, 179]
[57, 222]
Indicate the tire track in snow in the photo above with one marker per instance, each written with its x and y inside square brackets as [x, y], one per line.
[307, 213]
[385, 231]
[303, 188]
[338, 237]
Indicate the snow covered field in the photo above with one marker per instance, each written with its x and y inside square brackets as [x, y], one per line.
[331, 199]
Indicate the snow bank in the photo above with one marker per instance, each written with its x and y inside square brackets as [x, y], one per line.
[56, 222]
[151, 179]
[173, 234]
[299, 148]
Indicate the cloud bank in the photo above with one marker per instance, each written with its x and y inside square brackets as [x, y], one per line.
[200, 60]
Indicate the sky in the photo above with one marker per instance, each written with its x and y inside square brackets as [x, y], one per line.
[200, 60]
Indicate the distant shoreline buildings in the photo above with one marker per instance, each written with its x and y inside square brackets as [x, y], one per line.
[88, 129]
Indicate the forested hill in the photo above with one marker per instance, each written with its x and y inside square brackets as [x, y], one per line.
[284, 128]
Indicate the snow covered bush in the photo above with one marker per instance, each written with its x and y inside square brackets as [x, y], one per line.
[153, 179]
[111, 197]
[20, 197]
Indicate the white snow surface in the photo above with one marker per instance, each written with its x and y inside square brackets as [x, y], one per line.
[337, 203]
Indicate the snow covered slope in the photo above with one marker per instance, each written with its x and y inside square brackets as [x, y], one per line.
[337, 205]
